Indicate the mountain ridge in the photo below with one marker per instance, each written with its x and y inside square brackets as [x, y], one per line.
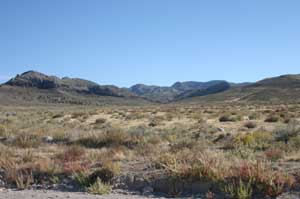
[38, 87]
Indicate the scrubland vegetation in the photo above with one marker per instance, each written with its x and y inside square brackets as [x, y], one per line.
[215, 151]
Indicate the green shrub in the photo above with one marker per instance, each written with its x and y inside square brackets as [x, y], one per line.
[81, 179]
[99, 188]
[286, 133]
[239, 190]
[258, 139]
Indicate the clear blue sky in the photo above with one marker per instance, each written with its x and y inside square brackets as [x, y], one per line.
[124, 42]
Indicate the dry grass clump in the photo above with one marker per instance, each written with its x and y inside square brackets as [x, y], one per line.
[238, 179]
[263, 178]
[185, 166]
[111, 138]
[25, 140]
[73, 159]
[16, 173]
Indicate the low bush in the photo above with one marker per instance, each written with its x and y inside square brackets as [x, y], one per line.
[228, 118]
[111, 138]
[100, 121]
[99, 188]
[258, 140]
[272, 118]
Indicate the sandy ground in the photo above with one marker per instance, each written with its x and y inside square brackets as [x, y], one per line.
[40, 194]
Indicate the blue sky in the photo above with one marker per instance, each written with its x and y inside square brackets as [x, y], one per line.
[124, 42]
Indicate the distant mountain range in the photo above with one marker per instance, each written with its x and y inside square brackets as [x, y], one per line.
[179, 90]
[37, 88]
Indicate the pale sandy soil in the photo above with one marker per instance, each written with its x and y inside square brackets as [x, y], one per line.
[40, 194]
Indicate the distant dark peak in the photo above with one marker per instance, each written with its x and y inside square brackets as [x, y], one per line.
[219, 87]
[176, 84]
[192, 85]
[34, 79]
[30, 72]
[33, 73]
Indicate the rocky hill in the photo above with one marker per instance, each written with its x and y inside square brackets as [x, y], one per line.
[35, 87]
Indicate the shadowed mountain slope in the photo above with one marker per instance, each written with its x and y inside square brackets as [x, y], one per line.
[281, 89]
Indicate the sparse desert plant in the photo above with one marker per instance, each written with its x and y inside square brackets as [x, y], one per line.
[27, 156]
[239, 189]
[81, 179]
[99, 188]
[25, 140]
[24, 179]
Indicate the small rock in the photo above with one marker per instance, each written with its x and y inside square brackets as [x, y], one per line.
[10, 139]
[47, 139]
[147, 190]
[221, 129]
